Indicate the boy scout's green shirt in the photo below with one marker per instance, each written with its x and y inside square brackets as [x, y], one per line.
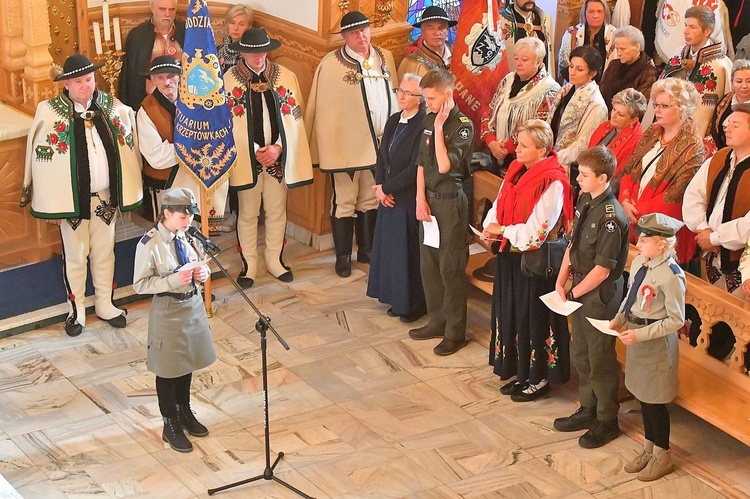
[603, 238]
[459, 142]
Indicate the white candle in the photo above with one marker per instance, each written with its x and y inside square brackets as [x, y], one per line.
[116, 28]
[105, 16]
[97, 38]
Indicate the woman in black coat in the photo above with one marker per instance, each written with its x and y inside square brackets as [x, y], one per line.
[394, 265]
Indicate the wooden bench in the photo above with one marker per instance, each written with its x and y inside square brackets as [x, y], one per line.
[716, 391]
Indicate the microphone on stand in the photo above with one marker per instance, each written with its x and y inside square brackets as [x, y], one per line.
[210, 246]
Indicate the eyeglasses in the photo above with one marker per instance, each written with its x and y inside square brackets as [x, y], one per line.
[399, 91]
[663, 106]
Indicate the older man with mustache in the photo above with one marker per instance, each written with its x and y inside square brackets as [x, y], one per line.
[433, 50]
[156, 127]
[160, 35]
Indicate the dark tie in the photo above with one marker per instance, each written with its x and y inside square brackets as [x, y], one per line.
[579, 225]
[179, 247]
[637, 281]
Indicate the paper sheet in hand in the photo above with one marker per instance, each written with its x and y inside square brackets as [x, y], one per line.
[603, 326]
[431, 233]
[555, 303]
[191, 266]
[479, 234]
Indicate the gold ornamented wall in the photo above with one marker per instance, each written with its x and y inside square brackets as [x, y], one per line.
[63, 29]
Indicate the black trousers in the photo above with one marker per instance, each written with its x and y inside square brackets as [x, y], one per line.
[172, 392]
[656, 423]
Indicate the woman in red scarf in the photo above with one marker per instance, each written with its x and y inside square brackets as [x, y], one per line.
[622, 132]
[529, 344]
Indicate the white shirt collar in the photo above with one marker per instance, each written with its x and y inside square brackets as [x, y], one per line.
[405, 119]
[79, 107]
[358, 57]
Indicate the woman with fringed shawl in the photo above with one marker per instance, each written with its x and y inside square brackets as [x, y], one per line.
[529, 344]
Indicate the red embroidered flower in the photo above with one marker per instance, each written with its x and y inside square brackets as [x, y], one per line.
[291, 101]
[62, 146]
[237, 92]
[699, 87]
[238, 110]
[285, 109]
[60, 127]
[711, 85]
[551, 357]
[281, 91]
[53, 139]
[706, 70]
[674, 61]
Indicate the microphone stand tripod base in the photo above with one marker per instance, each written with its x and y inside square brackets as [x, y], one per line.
[262, 326]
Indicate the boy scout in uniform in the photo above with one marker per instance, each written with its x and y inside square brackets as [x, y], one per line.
[596, 256]
[442, 165]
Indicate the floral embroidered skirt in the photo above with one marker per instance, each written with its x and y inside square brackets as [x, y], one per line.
[528, 340]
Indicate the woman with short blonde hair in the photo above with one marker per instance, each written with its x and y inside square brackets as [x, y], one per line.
[524, 94]
[528, 344]
[239, 18]
[622, 131]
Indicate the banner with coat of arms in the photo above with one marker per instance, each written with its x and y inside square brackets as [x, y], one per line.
[479, 60]
[670, 24]
[203, 136]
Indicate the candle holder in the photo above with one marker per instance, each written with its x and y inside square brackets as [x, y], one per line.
[112, 65]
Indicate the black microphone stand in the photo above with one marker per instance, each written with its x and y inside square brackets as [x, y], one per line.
[262, 326]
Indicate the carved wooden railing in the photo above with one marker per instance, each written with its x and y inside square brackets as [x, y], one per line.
[716, 391]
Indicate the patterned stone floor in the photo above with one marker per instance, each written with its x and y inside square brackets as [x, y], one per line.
[358, 408]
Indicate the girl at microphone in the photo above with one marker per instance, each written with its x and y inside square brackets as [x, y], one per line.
[167, 264]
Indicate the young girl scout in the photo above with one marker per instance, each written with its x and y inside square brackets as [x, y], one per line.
[652, 313]
[179, 339]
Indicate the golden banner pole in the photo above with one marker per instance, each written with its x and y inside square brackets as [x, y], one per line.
[204, 229]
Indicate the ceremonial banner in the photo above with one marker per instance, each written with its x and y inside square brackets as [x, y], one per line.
[670, 24]
[203, 136]
[479, 59]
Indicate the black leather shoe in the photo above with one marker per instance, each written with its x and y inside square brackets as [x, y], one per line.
[408, 319]
[245, 282]
[188, 422]
[118, 322]
[448, 347]
[174, 436]
[286, 277]
[600, 434]
[425, 333]
[511, 388]
[584, 417]
[529, 393]
[72, 328]
[344, 266]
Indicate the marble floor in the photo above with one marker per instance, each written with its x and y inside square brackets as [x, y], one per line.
[358, 408]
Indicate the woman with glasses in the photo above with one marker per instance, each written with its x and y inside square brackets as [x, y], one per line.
[667, 158]
[740, 94]
[394, 266]
[524, 94]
